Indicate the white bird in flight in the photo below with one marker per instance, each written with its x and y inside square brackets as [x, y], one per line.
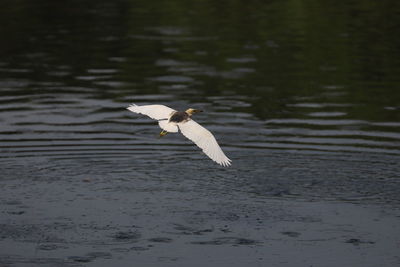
[171, 121]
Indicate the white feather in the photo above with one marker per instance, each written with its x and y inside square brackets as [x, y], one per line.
[156, 112]
[168, 126]
[204, 139]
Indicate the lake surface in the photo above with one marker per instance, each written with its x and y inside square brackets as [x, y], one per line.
[304, 98]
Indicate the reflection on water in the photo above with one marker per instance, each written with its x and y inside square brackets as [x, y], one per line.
[289, 82]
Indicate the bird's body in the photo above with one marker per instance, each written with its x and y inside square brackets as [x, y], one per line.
[179, 116]
[172, 121]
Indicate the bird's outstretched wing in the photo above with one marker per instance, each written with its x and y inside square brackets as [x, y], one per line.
[156, 112]
[204, 139]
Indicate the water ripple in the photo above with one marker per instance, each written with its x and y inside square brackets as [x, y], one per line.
[71, 126]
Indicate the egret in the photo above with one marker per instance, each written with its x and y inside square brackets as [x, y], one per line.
[172, 121]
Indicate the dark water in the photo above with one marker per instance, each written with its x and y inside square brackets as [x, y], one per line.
[303, 96]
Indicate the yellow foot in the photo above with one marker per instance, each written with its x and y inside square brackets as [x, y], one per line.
[163, 133]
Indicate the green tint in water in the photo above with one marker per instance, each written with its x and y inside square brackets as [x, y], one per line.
[279, 52]
[303, 68]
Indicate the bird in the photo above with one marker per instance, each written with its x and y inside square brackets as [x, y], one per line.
[173, 121]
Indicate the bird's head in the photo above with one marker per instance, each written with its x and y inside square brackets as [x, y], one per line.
[192, 111]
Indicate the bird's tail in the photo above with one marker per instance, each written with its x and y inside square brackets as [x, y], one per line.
[168, 126]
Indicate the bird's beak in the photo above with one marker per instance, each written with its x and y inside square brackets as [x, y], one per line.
[192, 111]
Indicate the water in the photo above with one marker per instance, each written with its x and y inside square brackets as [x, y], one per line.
[303, 97]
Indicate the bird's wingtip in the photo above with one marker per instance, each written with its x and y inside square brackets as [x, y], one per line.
[131, 106]
[226, 163]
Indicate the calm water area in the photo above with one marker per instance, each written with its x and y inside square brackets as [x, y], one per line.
[303, 96]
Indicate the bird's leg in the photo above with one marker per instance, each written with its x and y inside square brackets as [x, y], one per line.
[163, 133]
